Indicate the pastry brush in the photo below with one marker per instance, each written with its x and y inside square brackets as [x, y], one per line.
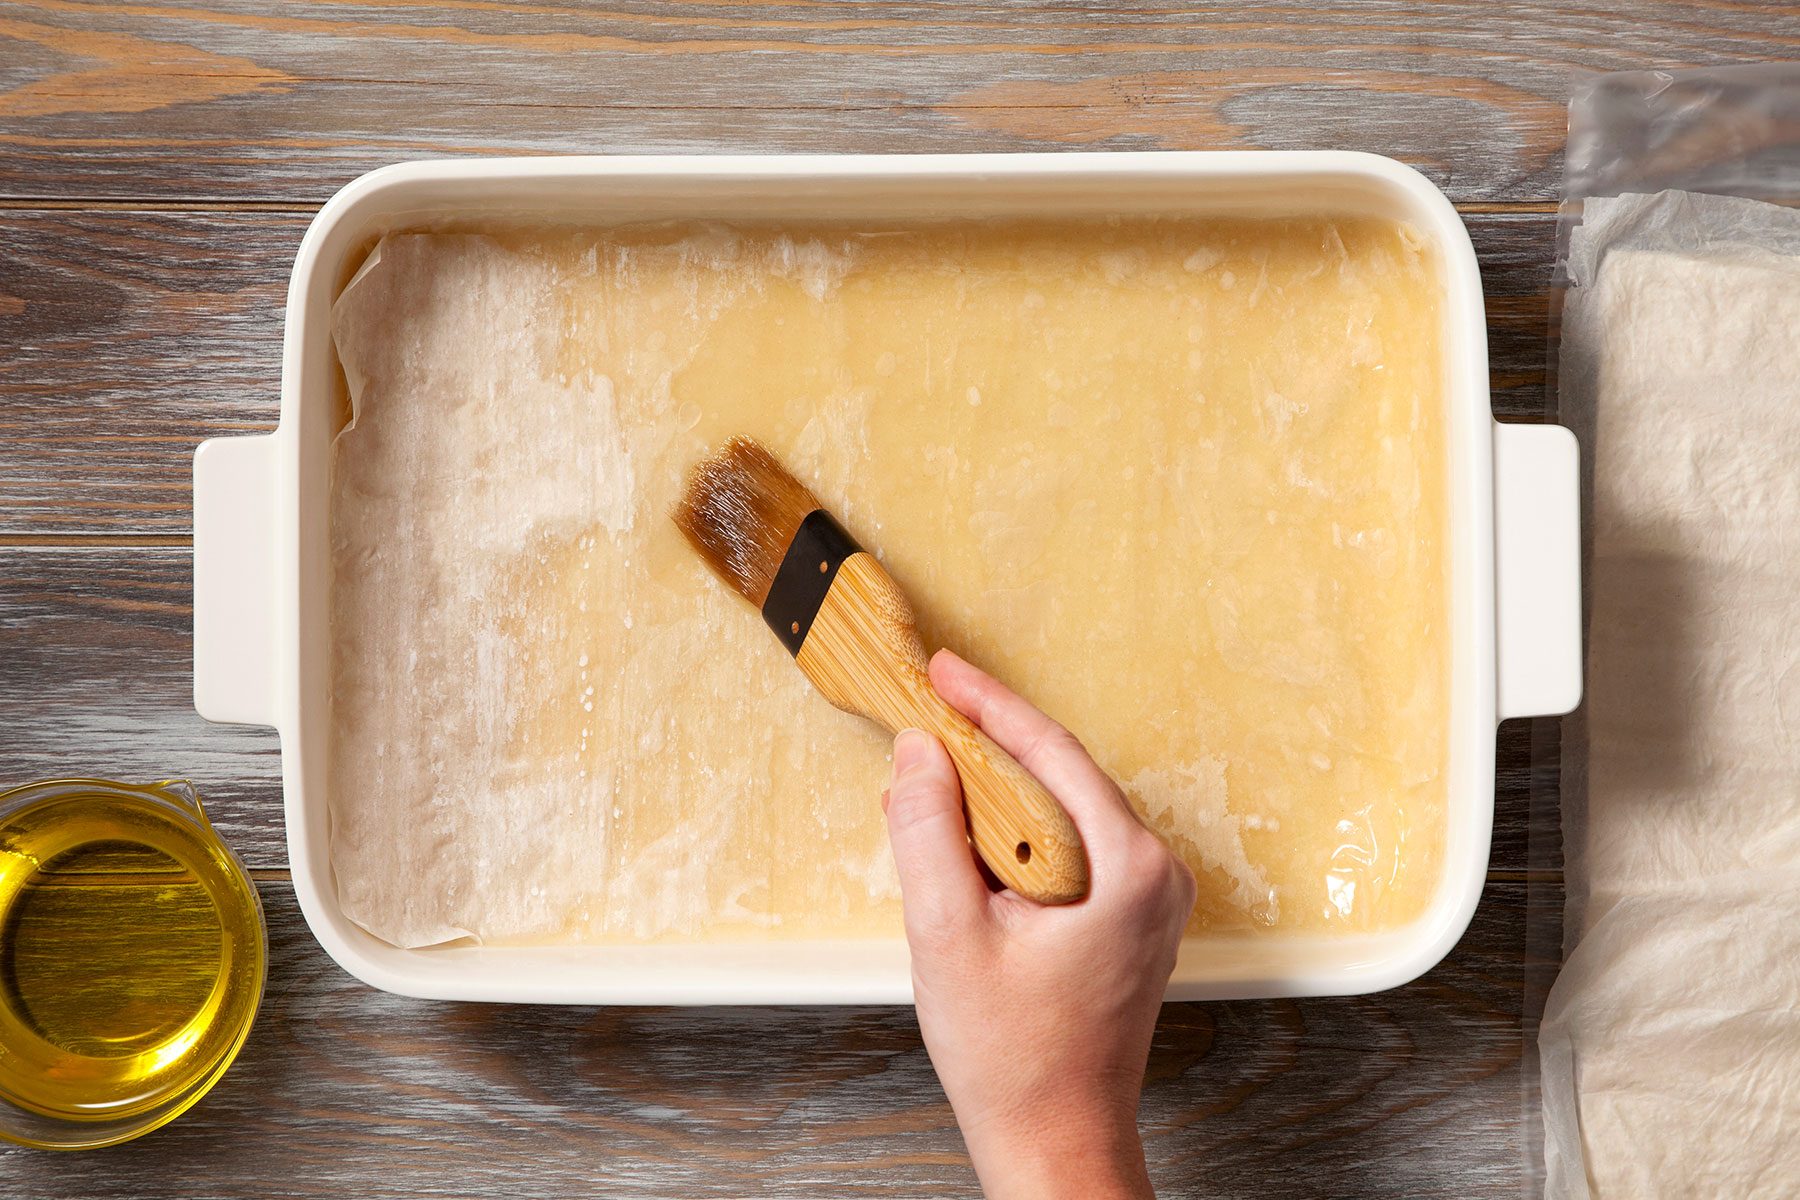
[853, 633]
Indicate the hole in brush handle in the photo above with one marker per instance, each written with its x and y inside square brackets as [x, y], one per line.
[1023, 852]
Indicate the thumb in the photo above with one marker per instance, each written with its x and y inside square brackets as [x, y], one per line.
[939, 883]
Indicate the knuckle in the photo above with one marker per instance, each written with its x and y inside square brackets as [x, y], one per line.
[1182, 893]
[1155, 877]
[1152, 854]
[914, 808]
[1054, 741]
[1186, 886]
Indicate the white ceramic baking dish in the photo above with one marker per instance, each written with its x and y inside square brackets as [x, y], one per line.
[262, 568]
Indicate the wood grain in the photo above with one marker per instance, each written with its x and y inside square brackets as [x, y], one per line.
[96, 678]
[346, 1091]
[132, 336]
[222, 99]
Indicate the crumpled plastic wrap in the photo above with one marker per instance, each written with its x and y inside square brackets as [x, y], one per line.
[1727, 131]
[1670, 1042]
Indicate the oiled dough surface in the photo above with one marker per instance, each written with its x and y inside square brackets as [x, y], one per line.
[1179, 483]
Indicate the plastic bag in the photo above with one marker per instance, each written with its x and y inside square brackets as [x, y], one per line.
[1727, 131]
[1657, 1078]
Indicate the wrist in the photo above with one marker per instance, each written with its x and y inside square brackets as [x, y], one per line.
[1050, 1162]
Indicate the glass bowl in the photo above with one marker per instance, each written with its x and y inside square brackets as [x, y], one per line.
[132, 958]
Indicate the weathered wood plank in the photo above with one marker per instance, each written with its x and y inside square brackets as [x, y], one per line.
[1513, 783]
[96, 678]
[252, 98]
[131, 336]
[345, 1091]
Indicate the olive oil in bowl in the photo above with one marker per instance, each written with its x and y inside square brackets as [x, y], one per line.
[132, 952]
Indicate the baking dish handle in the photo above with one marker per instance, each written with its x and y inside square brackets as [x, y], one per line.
[1537, 570]
[234, 580]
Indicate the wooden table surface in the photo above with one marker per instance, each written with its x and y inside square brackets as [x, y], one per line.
[158, 165]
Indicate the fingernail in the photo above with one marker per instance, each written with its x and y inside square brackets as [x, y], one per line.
[909, 750]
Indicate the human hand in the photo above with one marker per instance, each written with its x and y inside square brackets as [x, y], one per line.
[1038, 1019]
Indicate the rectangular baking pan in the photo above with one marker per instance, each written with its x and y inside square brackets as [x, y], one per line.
[263, 568]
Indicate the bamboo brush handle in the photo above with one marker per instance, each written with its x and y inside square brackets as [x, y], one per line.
[863, 652]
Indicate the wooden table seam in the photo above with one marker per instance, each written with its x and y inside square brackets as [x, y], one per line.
[85, 541]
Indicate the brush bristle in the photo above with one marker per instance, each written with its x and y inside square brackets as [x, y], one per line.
[741, 510]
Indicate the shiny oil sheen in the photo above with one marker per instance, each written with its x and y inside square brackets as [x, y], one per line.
[131, 957]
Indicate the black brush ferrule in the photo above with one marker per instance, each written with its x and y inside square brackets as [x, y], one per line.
[819, 548]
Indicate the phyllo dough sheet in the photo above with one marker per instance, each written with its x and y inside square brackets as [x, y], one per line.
[1181, 483]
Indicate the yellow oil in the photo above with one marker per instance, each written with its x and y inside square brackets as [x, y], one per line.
[131, 953]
